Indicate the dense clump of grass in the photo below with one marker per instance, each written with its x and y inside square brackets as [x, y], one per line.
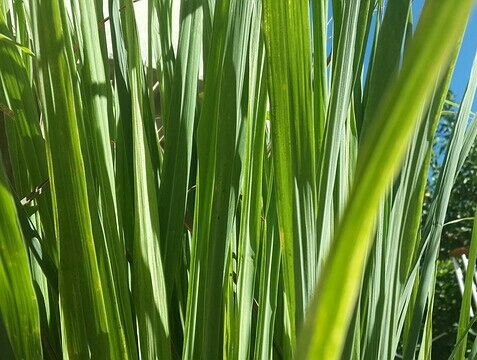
[253, 191]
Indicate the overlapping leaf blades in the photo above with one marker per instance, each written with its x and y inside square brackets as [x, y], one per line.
[169, 215]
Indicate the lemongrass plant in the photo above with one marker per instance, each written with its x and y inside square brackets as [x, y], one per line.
[254, 190]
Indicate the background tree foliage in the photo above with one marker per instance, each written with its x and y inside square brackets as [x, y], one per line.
[461, 206]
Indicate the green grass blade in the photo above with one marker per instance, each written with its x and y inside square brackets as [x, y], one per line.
[387, 55]
[72, 220]
[86, 327]
[18, 303]
[288, 49]
[433, 227]
[180, 129]
[124, 143]
[219, 160]
[320, 79]
[148, 283]
[466, 297]
[251, 209]
[269, 275]
[338, 110]
[97, 140]
[166, 60]
[24, 135]
[439, 29]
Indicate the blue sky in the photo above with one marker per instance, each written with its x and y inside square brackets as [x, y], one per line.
[464, 60]
[466, 56]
